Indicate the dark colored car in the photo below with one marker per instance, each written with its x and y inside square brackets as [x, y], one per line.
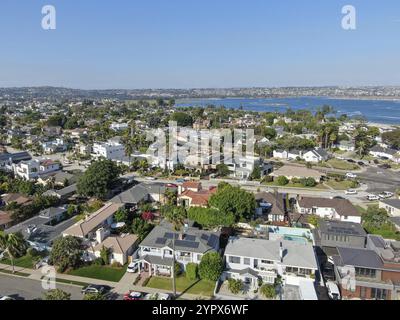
[385, 166]
[351, 161]
[360, 163]
[95, 289]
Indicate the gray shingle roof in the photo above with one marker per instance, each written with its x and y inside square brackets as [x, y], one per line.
[295, 254]
[195, 240]
[363, 258]
[392, 202]
[342, 228]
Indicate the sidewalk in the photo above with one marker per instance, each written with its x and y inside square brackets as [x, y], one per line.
[121, 287]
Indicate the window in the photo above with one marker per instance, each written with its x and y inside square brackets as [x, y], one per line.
[367, 273]
[267, 262]
[234, 259]
[379, 294]
[246, 261]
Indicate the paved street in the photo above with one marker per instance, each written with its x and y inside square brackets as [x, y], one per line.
[29, 289]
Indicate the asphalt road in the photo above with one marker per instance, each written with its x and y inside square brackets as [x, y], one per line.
[29, 289]
[379, 180]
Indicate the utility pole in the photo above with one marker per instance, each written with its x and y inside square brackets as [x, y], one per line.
[173, 268]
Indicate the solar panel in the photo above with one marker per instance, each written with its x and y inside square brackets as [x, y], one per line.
[190, 238]
[212, 241]
[161, 241]
[204, 237]
[169, 235]
[187, 244]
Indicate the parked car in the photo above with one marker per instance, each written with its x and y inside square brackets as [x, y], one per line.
[157, 296]
[333, 290]
[133, 295]
[94, 288]
[361, 163]
[171, 185]
[151, 178]
[6, 298]
[132, 268]
[351, 192]
[351, 175]
[386, 195]
[328, 272]
[372, 197]
[385, 166]
[351, 161]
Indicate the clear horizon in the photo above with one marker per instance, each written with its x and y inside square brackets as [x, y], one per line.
[131, 45]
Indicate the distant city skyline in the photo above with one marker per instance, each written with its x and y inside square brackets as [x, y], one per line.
[199, 44]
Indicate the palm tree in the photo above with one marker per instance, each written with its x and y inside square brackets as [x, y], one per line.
[14, 245]
[362, 145]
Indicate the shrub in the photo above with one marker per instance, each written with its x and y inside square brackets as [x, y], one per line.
[235, 286]
[148, 216]
[116, 264]
[192, 271]
[268, 291]
[282, 181]
[178, 269]
[98, 262]
[32, 252]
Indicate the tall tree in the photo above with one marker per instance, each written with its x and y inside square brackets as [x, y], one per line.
[14, 245]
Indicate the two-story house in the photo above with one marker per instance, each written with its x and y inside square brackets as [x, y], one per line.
[253, 260]
[333, 209]
[372, 273]
[157, 250]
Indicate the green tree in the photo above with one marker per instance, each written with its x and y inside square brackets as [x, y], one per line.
[211, 266]
[66, 253]
[233, 200]
[256, 174]
[56, 294]
[121, 215]
[223, 170]
[141, 228]
[105, 255]
[210, 217]
[14, 245]
[314, 220]
[183, 119]
[175, 215]
[100, 177]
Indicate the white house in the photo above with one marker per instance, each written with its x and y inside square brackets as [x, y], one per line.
[316, 155]
[379, 152]
[119, 126]
[392, 206]
[333, 209]
[252, 260]
[30, 170]
[57, 145]
[110, 150]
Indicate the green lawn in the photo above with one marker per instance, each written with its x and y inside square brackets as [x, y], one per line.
[294, 185]
[23, 262]
[340, 185]
[183, 285]
[343, 165]
[100, 272]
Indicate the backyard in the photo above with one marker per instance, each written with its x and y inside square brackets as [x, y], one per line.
[183, 285]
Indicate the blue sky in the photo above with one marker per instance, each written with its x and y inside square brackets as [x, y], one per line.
[192, 43]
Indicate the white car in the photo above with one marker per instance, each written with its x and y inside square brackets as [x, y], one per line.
[372, 197]
[386, 195]
[351, 175]
[157, 296]
[6, 298]
[351, 192]
[132, 268]
[333, 290]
